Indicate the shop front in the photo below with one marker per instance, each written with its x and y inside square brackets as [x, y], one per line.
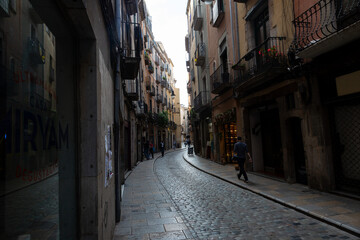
[37, 130]
[227, 134]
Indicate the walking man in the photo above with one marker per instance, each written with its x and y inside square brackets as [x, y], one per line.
[162, 148]
[240, 151]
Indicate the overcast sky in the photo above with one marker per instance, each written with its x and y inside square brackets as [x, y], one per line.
[170, 27]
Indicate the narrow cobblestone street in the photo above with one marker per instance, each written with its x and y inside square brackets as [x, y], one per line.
[204, 207]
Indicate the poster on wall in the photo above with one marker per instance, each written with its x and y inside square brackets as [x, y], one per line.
[108, 156]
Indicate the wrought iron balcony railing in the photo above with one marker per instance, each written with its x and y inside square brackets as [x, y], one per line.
[148, 83]
[141, 109]
[198, 18]
[163, 82]
[131, 47]
[157, 60]
[159, 98]
[322, 20]
[172, 125]
[202, 100]
[269, 57]
[192, 75]
[200, 54]
[131, 89]
[152, 91]
[189, 88]
[220, 80]
[158, 78]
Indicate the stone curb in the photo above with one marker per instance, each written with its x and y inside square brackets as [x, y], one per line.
[332, 222]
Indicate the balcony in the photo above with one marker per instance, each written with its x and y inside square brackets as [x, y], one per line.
[220, 80]
[198, 18]
[172, 125]
[130, 45]
[200, 54]
[152, 91]
[148, 83]
[36, 51]
[157, 60]
[147, 58]
[159, 98]
[327, 25]
[163, 83]
[141, 109]
[131, 90]
[142, 10]
[218, 13]
[151, 67]
[158, 78]
[192, 75]
[131, 6]
[202, 101]
[189, 88]
[187, 43]
[264, 63]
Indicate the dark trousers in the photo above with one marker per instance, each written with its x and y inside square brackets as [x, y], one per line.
[241, 162]
[162, 151]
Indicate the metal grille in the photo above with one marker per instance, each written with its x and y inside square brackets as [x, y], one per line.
[347, 119]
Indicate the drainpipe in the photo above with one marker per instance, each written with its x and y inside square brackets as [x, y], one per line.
[237, 32]
[116, 117]
[232, 31]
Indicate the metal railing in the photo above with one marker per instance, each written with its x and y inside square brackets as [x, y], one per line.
[152, 91]
[159, 98]
[198, 18]
[268, 55]
[202, 100]
[220, 80]
[131, 88]
[130, 41]
[323, 19]
[200, 54]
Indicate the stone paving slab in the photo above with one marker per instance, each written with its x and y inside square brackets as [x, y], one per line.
[338, 211]
[147, 211]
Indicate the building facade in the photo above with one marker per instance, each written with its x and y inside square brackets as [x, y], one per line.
[74, 103]
[271, 84]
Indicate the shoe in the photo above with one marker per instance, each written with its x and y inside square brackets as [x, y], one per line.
[238, 175]
[246, 181]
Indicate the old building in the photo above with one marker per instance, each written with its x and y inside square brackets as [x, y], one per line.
[68, 80]
[283, 75]
[158, 86]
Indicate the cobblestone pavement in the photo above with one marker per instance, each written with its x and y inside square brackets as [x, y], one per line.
[214, 209]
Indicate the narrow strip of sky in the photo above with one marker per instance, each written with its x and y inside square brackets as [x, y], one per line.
[170, 27]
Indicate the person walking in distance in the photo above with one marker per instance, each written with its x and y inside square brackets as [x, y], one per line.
[151, 148]
[162, 148]
[146, 150]
[240, 151]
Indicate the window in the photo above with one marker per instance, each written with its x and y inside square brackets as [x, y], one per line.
[262, 28]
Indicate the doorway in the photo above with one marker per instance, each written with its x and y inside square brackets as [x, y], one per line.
[271, 142]
[297, 150]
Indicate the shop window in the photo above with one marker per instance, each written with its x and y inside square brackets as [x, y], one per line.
[37, 141]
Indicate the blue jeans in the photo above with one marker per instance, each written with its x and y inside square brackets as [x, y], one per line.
[241, 162]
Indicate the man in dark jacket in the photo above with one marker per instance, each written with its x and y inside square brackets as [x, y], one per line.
[240, 151]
